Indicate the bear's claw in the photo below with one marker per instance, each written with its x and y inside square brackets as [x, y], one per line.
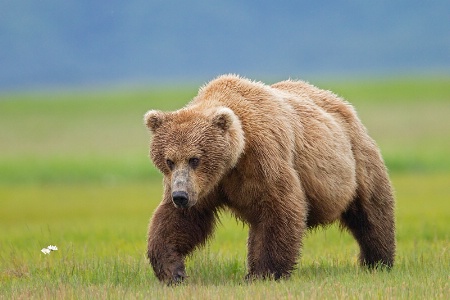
[178, 277]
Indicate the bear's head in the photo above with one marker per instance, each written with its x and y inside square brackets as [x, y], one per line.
[194, 148]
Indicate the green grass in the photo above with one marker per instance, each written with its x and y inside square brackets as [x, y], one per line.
[74, 173]
[100, 231]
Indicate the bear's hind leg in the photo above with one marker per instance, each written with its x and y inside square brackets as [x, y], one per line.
[371, 221]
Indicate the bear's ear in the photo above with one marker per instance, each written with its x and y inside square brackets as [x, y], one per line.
[153, 119]
[224, 118]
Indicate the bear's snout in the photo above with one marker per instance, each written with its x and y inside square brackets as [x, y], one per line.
[180, 198]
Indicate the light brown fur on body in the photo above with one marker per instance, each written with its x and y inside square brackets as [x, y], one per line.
[282, 158]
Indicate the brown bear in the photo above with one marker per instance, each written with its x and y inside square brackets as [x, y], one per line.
[281, 158]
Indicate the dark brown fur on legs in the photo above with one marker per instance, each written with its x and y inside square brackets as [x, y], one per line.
[274, 246]
[269, 256]
[173, 234]
[373, 227]
[370, 216]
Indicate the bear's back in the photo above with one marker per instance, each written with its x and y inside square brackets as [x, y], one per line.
[326, 100]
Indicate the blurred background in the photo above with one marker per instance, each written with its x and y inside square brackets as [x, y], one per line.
[76, 77]
[81, 43]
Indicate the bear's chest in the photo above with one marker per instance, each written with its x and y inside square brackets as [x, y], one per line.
[242, 193]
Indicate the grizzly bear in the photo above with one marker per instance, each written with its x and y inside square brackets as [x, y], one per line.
[282, 158]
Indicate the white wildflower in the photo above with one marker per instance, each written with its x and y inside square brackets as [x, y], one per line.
[46, 251]
[52, 248]
[49, 249]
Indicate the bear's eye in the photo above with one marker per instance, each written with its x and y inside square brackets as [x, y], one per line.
[194, 162]
[170, 164]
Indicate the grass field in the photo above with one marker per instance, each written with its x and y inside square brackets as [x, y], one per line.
[74, 172]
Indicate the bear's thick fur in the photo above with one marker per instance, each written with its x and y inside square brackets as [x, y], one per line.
[282, 158]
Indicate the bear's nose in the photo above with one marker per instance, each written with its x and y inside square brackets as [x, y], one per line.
[180, 198]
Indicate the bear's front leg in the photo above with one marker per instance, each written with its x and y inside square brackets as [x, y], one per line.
[275, 239]
[173, 234]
